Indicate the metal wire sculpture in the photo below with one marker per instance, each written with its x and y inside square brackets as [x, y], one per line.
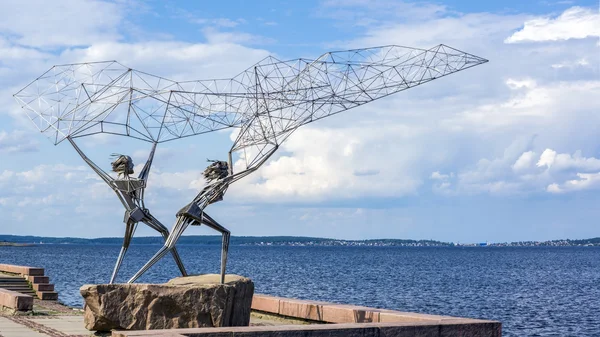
[266, 103]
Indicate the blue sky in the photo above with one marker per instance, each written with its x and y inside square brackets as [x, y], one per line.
[505, 151]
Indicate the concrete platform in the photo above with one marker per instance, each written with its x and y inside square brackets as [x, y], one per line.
[22, 270]
[282, 317]
[13, 300]
[271, 316]
[466, 329]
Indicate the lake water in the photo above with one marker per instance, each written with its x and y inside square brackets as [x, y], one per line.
[553, 291]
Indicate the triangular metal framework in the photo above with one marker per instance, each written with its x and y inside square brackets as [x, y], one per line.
[267, 101]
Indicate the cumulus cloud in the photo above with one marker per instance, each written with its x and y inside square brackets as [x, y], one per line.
[533, 104]
[84, 203]
[372, 13]
[574, 23]
[219, 22]
[327, 164]
[184, 180]
[584, 181]
[37, 187]
[439, 176]
[214, 35]
[17, 141]
[175, 60]
[532, 172]
[525, 161]
[583, 62]
[474, 30]
[564, 161]
[60, 23]
[526, 83]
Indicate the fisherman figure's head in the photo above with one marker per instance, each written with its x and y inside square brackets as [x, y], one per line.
[216, 170]
[123, 165]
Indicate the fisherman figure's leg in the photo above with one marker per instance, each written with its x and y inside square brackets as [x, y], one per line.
[210, 222]
[181, 224]
[156, 225]
[129, 230]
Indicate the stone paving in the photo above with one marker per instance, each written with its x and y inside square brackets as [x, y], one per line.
[9, 328]
[72, 325]
[44, 326]
[51, 319]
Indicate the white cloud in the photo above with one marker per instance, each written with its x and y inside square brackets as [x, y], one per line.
[547, 158]
[184, 180]
[574, 23]
[39, 185]
[341, 163]
[48, 24]
[182, 13]
[525, 161]
[578, 63]
[172, 59]
[473, 30]
[585, 181]
[218, 36]
[372, 12]
[219, 22]
[533, 104]
[531, 173]
[564, 161]
[526, 83]
[79, 196]
[17, 141]
[438, 176]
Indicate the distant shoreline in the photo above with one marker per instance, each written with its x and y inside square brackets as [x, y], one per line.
[16, 244]
[16, 240]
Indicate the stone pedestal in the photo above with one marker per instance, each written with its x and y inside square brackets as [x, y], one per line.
[183, 302]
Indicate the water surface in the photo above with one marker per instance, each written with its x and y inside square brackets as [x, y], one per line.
[535, 291]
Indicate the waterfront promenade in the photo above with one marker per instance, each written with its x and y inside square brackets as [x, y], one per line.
[278, 317]
[25, 312]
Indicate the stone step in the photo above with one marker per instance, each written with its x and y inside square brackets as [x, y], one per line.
[30, 293]
[21, 270]
[18, 286]
[12, 279]
[15, 285]
[38, 279]
[8, 285]
[16, 301]
[12, 284]
[23, 278]
[23, 282]
[47, 295]
[43, 287]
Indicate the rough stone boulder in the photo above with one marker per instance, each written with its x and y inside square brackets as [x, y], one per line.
[183, 302]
